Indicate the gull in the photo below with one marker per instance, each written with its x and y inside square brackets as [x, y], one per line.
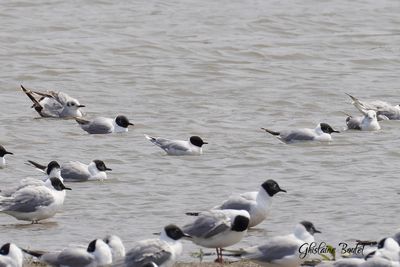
[3, 152]
[101, 125]
[193, 146]
[163, 251]
[388, 249]
[11, 256]
[35, 202]
[257, 204]
[52, 170]
[384, 110]
[321, 133]
[368, 122]
[116, 246]
[282, 251]
[98, 253]
[54, 104]
[218, 229]
[75, 171]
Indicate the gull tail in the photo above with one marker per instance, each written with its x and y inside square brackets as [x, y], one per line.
[37, 165]
[36, 105]
[34, 253]
[192, 213]
[81, 121]
[271, 132]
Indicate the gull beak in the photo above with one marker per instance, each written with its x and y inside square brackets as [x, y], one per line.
[8, 153]
[131, 123]
[205, 143]
[186, 235]
[108, 169]
[282, 190]
[64, 187]
[317, 231]
[81, 106]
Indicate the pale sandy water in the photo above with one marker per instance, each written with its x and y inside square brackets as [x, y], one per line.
[218, 69]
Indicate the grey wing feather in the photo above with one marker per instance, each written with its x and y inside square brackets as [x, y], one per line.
[206, 226]
[75, 257]
[98, 126]
[298, 135]
[75, 171]
[167, 144]
[50, 258]
[97, 129]
[354, 123]
[28, 199]
[145, 251]
[61, 97]
[275, 249]
[236, 203]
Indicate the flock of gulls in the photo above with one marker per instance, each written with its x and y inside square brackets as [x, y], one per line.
[219, 227]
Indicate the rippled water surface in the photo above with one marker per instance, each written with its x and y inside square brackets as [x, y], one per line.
[217, 69]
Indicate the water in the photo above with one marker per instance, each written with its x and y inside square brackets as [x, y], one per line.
[217, 69]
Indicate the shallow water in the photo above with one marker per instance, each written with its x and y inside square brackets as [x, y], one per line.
[217, 69]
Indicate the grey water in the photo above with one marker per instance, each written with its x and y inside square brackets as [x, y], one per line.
[217, 69]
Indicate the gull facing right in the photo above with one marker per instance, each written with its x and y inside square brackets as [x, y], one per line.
[3, 152]
[163, 251]
[75, 171]
[218, 229]
[101, 125]
[193, 146]
[257, 204]
[321, 133]
[54, 104]
[35, 202]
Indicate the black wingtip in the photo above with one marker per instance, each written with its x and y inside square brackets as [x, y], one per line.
[37, 165]
[192, 213]
[36, 254]
[271, 132]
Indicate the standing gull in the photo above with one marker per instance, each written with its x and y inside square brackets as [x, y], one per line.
[218, 229]
[35, 202]
[321, 133]
[163, 251]
[284, 251]
[101, 125]
[193, 146]
[75, 171]
[3, 152]
[96, 254]
[257, 204]
[52, 170]
[54, 104]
